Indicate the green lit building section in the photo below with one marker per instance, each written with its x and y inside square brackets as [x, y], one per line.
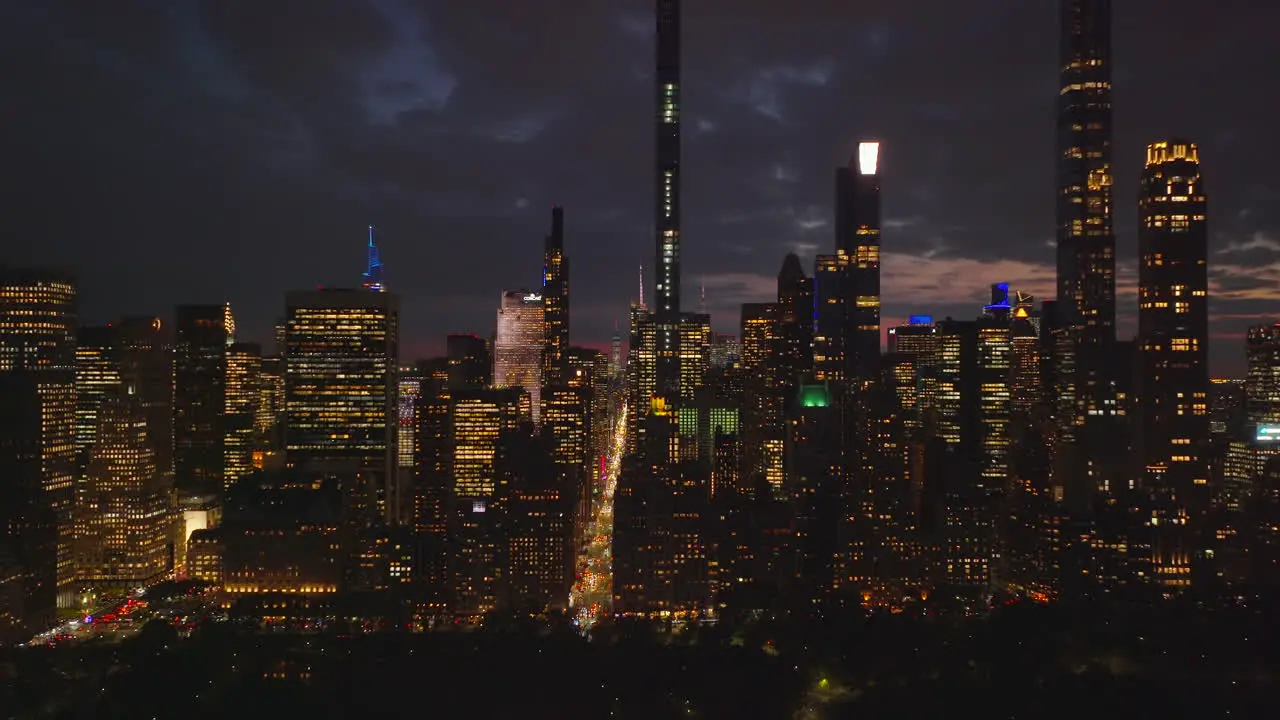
[815, 396]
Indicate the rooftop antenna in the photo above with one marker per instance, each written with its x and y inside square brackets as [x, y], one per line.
[702, 296]
[641, 284]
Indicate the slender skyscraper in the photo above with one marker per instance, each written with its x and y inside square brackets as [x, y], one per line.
[1173, 332]
[373, 270]
[555, 303]
[858, 239]
[666, 299]
[1086, 241]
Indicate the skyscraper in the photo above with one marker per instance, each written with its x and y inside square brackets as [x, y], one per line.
[200, 396]
[666, 305]
[340, 393]
[518, 346]
[1173, 332]
[555, 303]
[1085, 238]
[38, 341]
[858, 239]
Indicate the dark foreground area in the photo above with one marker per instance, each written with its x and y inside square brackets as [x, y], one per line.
[1020, 661]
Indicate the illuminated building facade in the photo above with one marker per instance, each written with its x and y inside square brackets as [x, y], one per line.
[1085, 236]
[1173, 330]
[340, 393]
[555, 303]
[518, 346]
[1262, 382]
[484, 423]
[667, 121]
[240, 419]
[642, 369]
[540, 520]
[37, 338]
[145, 351]
[409, 391]
[97, 378]
[203, 333]
[763, 432]
[858, 240]
[125, 506]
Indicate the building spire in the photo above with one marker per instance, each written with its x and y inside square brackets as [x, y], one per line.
[641, 284]
[702, 296]
[373, 272]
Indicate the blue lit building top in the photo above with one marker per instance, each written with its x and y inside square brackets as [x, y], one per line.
[373, 275]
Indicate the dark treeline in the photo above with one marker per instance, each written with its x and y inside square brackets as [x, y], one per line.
[1021, 661]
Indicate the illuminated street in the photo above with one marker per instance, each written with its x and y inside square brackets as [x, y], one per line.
[592, 594]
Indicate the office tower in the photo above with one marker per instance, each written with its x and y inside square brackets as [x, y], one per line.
[145, 351]
[203, 333]
[37, 338]
[695, 346]
[795, 321]
[484, 423]
[972, 413]
[642, 369]
[373, 267]
[555, 303]
[858, 239]
[1085, 238]
[1262, 382]
[817, 485]
[340, 394]
[518, 346]
[126, 520]
[28, 521]
[1173, 331]
[666, 299]
[97, 377]
[432, 447]
[240, 418]
[409, 383]
[830, 279]
[540, 505]
[763, 408]
[270, 416]
[1025, 362]
[727, 349]
[470, 362]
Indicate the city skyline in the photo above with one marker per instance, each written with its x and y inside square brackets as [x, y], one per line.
[317, 151]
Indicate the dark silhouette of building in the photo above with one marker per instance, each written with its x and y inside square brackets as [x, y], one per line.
[470, 362]
[667, 120]
[555, 303]
[1173, 332]
[858, 239]
[202, 333]
[1085, 237]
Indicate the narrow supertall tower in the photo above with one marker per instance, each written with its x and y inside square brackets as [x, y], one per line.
[667, 197]
[555, 303]
[858, 250]
[1085, 238]
[373, 269]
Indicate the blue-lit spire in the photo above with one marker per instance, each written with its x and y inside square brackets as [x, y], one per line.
[373, 275]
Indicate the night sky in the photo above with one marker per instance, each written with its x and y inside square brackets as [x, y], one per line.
[173, 151]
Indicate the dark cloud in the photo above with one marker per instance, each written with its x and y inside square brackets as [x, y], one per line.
[177, 151]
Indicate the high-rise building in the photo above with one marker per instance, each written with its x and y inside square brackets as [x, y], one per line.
[242, 392]
[642, 369]
[555, 303]
[483, 425]
[125, 506]
[203, 333]
[340, 394]
[830, 278]
[795, 322]
[1262, 383]
[1085, 237]
[97, 378]
[666, 299]
[470, 361]
[145, 351]
[38, 338]
[28, 521]
[518, 346]
[1173, 332]
[858, 238]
